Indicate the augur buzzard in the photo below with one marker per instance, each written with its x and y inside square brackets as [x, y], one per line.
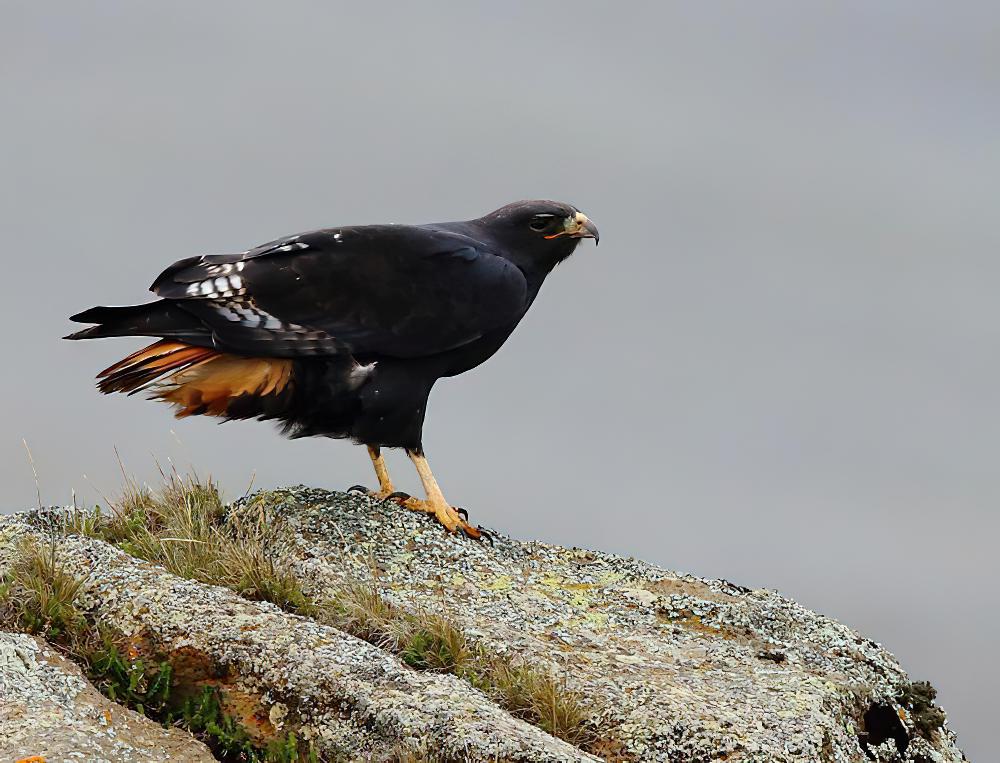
[342, 332]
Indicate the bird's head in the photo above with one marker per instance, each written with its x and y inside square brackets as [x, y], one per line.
[538, 233]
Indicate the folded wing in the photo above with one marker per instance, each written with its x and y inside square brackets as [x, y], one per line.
[400, 291]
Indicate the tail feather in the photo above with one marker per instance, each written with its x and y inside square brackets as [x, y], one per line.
[135, 372]
[161, 319]
[200, 380]
[223, 384]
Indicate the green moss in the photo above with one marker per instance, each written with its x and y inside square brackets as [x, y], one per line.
[918, 698]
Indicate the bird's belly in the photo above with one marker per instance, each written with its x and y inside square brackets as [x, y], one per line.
[467, 357]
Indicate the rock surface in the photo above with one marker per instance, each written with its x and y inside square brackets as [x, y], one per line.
[48, 709]
[351, 699]
[673, 667]
[677, 668]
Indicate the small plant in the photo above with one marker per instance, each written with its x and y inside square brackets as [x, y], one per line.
[361, 611]
[84, 521]
[251, 571]
[182, 527]
[288, 750]
[147, 690]
[203, 715]
[40, 595]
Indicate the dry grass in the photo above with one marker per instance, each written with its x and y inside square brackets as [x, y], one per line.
[541, 698]
[428, 641]
[182, 526]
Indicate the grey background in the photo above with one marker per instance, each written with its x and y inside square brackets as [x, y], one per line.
[780, 366]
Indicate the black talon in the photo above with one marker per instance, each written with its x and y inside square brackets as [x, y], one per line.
[357, 489]
[399, 495]
[464, 514]
[483, 535]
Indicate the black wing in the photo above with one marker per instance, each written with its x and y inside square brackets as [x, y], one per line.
[402, 291]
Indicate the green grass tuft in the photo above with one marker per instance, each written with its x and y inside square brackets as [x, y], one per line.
[40, 595]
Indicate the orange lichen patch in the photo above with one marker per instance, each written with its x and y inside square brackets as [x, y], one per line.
[247, 710]
[693, 622]
[193, 671]
[676, 586]
[32, 759]
[192, 667]
[132, 650]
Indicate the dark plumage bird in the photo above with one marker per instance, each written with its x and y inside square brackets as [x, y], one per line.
[342, 332]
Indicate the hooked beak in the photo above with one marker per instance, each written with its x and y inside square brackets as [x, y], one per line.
[578, 226]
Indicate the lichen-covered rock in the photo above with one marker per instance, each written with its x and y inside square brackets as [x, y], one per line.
[677, 668]
[49, 710]
[350, 699]
[674, 668]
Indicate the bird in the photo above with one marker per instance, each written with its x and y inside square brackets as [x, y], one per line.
[342, 332]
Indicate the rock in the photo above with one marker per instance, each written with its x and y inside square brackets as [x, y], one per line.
[48, 709]
[352, 699]
[676, 668]
[672, 667]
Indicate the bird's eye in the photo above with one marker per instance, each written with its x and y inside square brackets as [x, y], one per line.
[540, 222]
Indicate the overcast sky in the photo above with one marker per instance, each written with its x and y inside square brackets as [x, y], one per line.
[780, 367]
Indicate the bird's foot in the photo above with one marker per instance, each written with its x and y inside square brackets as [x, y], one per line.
[378, 495]
[453, 520]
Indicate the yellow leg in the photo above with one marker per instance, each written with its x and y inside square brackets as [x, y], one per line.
[385, 488]
[436, 503]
